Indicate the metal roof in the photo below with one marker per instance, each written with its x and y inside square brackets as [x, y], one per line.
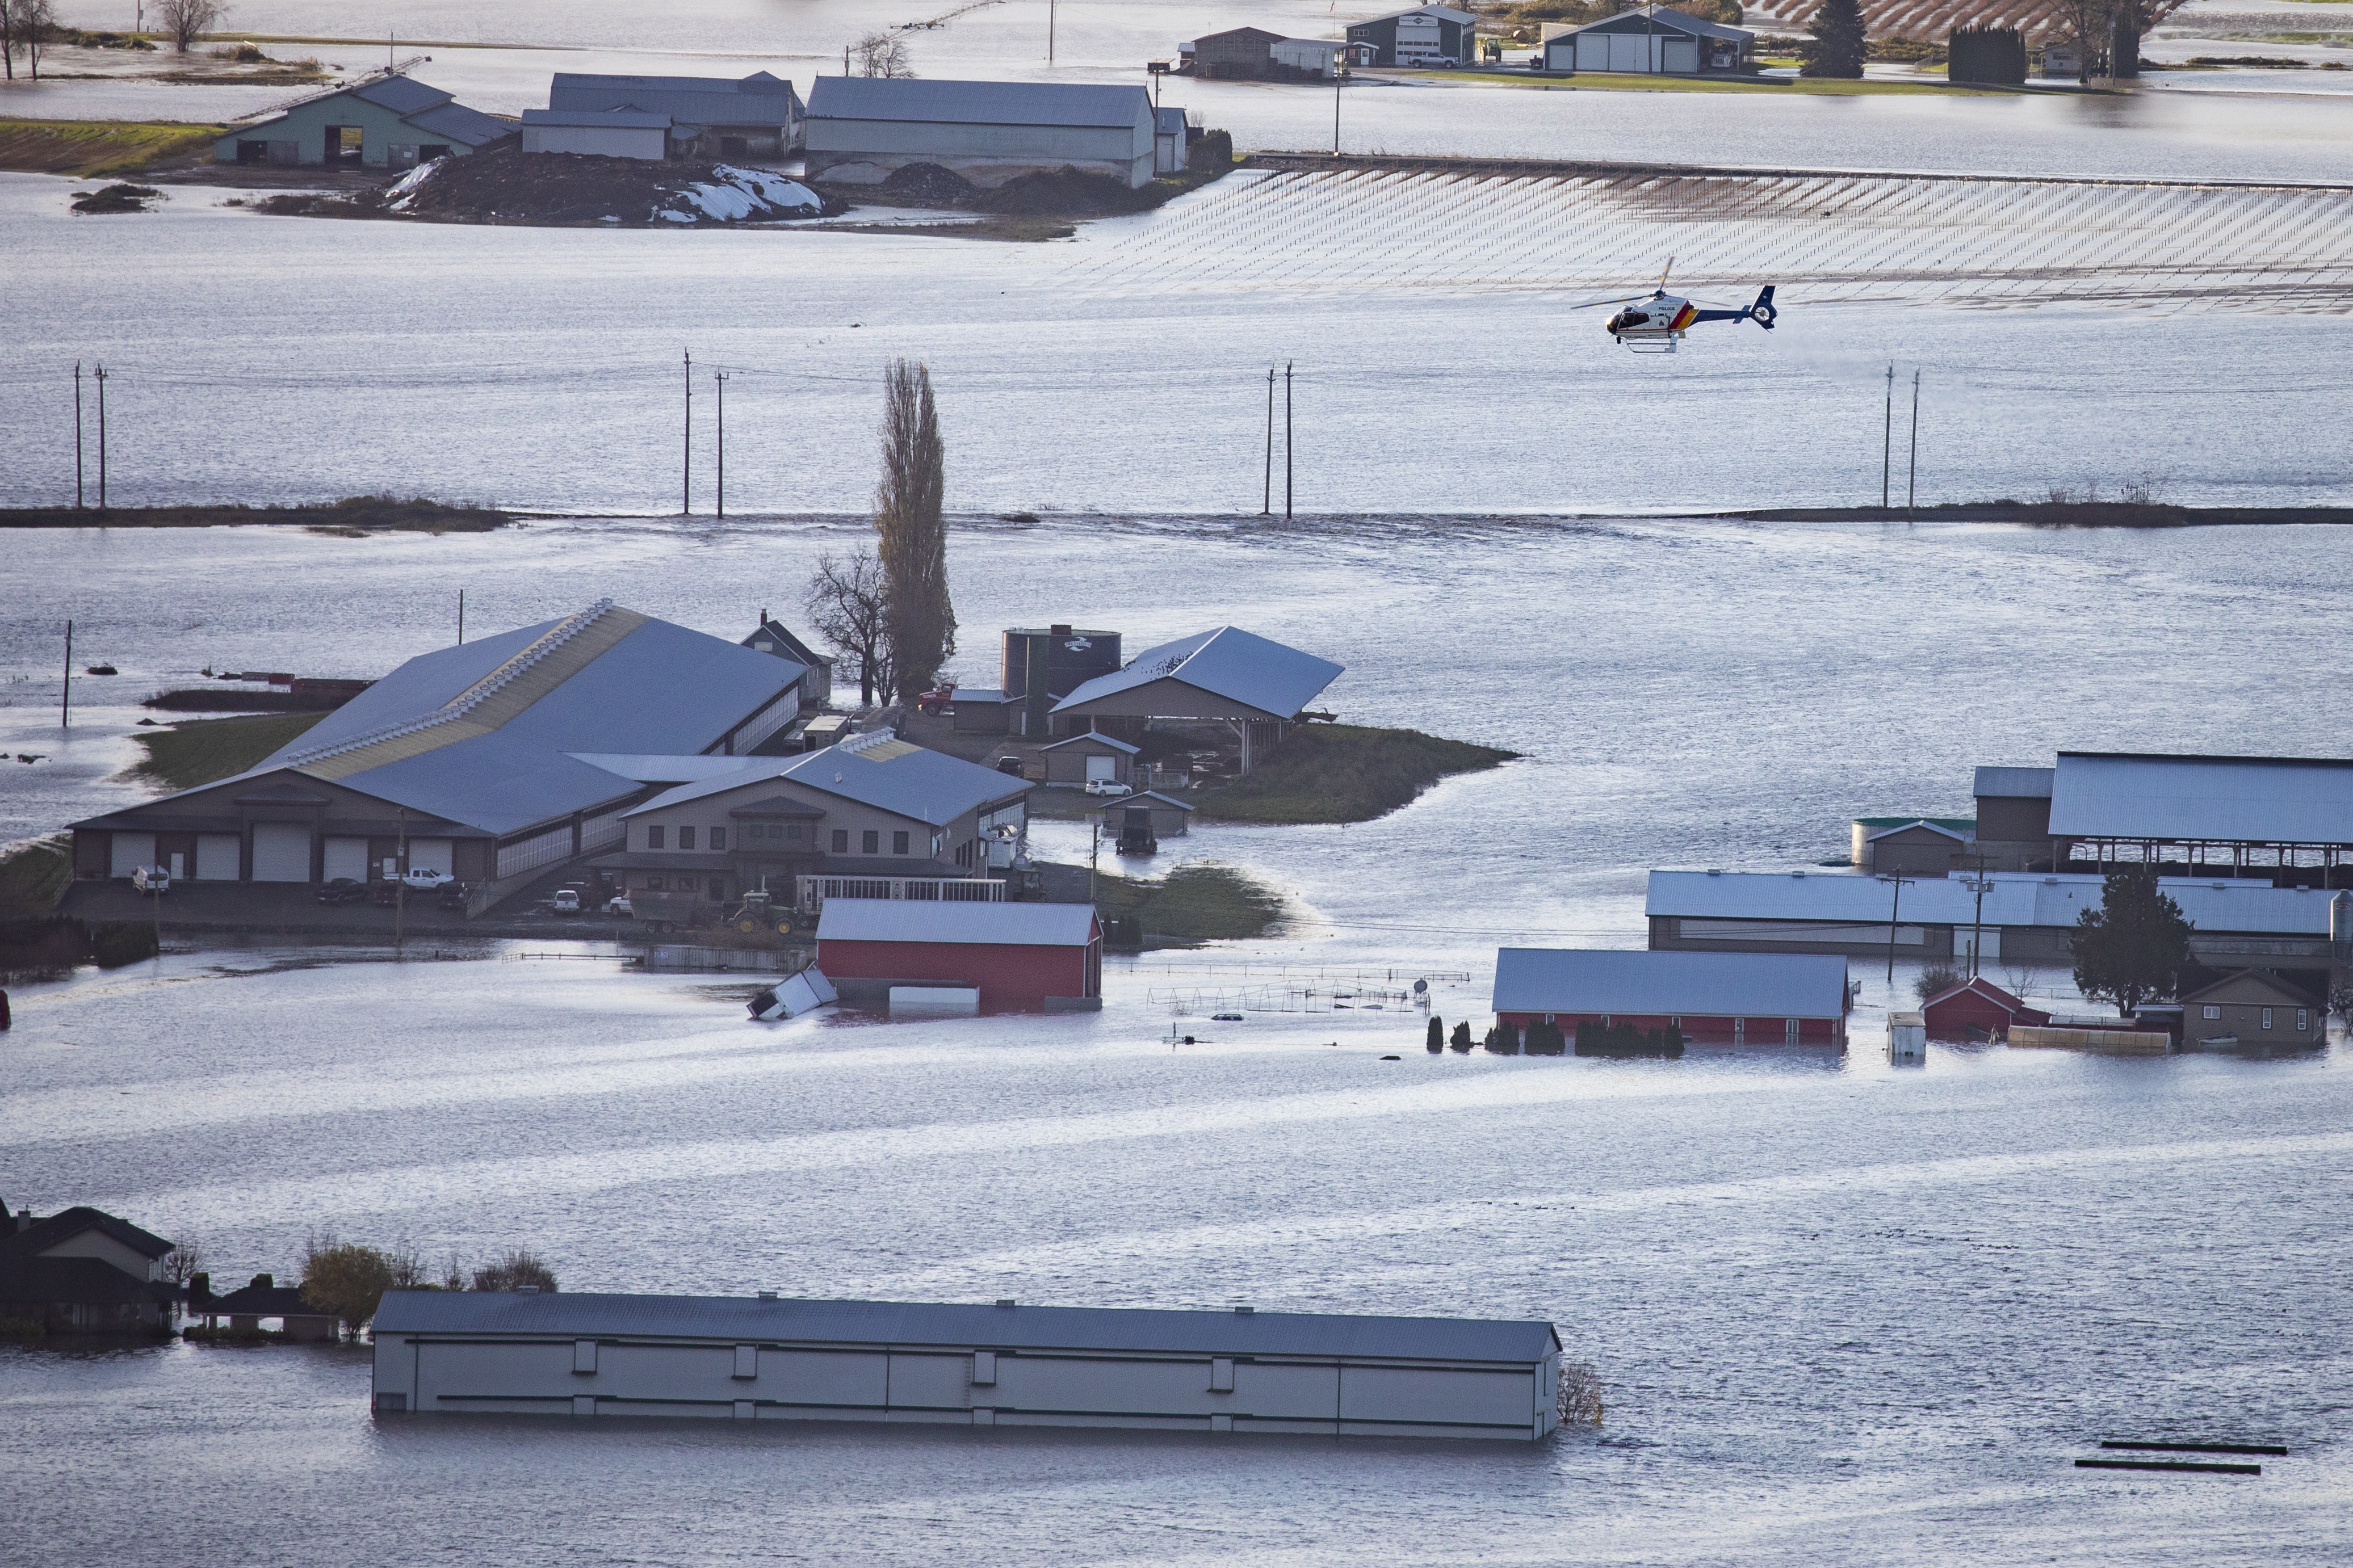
[1666, 19]
[2013, 783]
[658, 769]
[599, 119]
[1931, 824]
[1112, 740]
[729, 1320]
[874, 769]
[1168, 121]
[1238, 665]
[2012, 899]
[921, 920]
[756, 99]
[2262, 800]
[924, 102]
[401, 95]
[469, 127]
[1448, 12]
[1730, 984]
[1113, 802]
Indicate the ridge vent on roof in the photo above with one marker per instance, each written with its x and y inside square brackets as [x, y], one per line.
[868, 742]
[466, 701]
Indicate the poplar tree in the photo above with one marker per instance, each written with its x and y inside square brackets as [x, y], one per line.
[1835, 47]
[913, 539]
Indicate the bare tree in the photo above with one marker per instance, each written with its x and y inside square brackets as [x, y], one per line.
[10, 45]
[1580, 1402]
[25, 28]
[881, 54]
[2086, 23]
[185, 21]
[185, 1261]
[518, 1268]
[846, 604]
[913, 537]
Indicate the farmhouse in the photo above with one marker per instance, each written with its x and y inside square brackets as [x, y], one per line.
[774, 637]
[83, 1270]
[492, 760]
[1652, 39]
[874, 806]
[1319, 1374]
[388, 122]
[1727, 998]
[599, 132]
[2252, 1009]
[863, 129]
[1430, 36]
[2020, 917]
[1226, 676]
[1018, 956]
[757, 116]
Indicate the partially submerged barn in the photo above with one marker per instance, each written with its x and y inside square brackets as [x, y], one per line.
[757, 116]
[1752, 999]
[389, 122]
[1313, 1374]
[864, 129]
[1039, 957]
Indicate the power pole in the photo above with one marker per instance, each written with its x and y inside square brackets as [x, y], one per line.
[1049, 32]
[77, 434]
[686, 465]
[1912, 475]
[1894, 906]
[65, 703]
[1887, 438]
[720, 378]
[1339, 75]
[1977, 884]
[1095, 852]
[461, 617]
[1266, 506]
[400, 887]
[101, 437]
[1286, 440]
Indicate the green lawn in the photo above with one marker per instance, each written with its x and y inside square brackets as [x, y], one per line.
[1343, 773]
[95, 147]
[1192, 903]
[204, 750]
[33, 875]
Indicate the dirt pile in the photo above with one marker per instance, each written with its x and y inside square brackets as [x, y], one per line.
[929, 186]
[1067, 192]
[116, 199]
[514, 186]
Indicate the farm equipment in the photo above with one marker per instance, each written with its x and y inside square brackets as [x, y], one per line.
[759, 913]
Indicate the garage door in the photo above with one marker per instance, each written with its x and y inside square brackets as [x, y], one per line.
[1626, 54]
[216, 857]
[1681, 55]
[430, 855]
[1593, 52]
[1102, 770]
[347, 858]
[131, 851]
[281, 852]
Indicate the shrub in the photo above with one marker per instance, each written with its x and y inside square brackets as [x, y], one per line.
[1503, 1039]
[1215, 150]
[1934, 979]
[518, 1268]
[1543, 1041]
[346, 1278]
[1459, 1040]
[119, 942]
[1437, 1034]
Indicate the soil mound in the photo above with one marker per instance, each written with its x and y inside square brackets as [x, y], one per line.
[1065, 192]
[116, 199]
[928, 185]
[514, 186]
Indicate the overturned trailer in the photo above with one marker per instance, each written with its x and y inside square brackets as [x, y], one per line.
[769, 1360]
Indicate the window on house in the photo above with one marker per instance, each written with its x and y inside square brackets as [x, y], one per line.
[2267, 1018]
[686, 838]
[756, 831]
[654, 884]
[792, 830]
[870, 841]
[718, 838]
[2212, 1011]
[653, 838]
[2302, 1019]
[842, 841]
[898, 843]
[686, 884]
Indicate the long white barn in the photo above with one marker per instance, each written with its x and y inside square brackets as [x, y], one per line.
[768, 1360]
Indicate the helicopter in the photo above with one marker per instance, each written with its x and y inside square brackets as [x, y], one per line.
[1656, 322]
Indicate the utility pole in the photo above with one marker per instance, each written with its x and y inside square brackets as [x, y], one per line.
[686, 465]
[1894, 905]
[1977, 884]
[65, 704]
[1286, 440]
[1339, 75]
[1095, 852]
[461, 617]
[720, 378]
[1049, 32]
[1266, 506]
[1911, 475]
[400, 887]
[77, 434]
[1887, 438]
[101, 437]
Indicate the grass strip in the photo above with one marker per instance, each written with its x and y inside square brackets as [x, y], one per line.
[1343, 773]
[204, 751]
[1200, 903]
[89, 148]
[35, 875]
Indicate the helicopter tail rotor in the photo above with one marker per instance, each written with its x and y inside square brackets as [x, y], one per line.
[1762, 312]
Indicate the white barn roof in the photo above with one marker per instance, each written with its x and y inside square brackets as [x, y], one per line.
[1238, 665]
[926, 101]
[1707, 985]
[2260, 800]
[921, 920]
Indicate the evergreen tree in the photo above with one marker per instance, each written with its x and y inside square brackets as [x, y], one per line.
[1437, 1034]
[2127, 950]
[1836, 45]
[1461, 1039]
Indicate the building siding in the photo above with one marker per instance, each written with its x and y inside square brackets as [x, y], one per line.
[1005, 975]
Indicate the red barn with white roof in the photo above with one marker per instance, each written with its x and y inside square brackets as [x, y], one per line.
[1018, 956]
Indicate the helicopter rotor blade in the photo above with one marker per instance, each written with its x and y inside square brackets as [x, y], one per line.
[1662, 274]
[1622, 300]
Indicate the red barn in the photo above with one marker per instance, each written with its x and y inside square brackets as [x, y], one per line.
[1734, 998]
[1977, 1009]
[1018, 956]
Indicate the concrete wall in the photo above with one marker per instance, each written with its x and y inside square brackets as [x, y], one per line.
[1324, 1396]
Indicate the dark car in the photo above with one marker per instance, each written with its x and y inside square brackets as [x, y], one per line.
[451, 895]
[387, 893]
[344, 890]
